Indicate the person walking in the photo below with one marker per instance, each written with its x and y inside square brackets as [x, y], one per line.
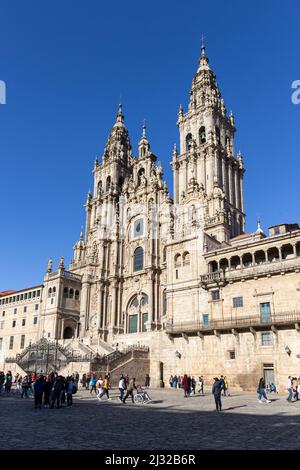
[8, 381]
[290, 389]
[93, 383]
[47, 391]
[88, 379]
[216, 391]
[186, 385]
[175, 381]
[226, 391]
[38, 388]
[2, 380]
[295, 388]
[131, 387]
[122, 387]
[147, 381]
[171, 380]
[193, 385]
[71, 383]
[105, 388]
[56, 392]
[201, 385]
[83, 381]
[261, 390]
[25, 386]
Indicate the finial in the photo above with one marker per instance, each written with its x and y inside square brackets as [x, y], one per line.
[81, 233]
[62, 262]
[120, 117]
[49, 266]
[96, 161]
[231, 117]
[144, 129]
[202, 44]
[180, 112]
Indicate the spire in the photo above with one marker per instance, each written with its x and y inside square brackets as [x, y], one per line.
[144, 145]
[120, 117]
[118, 145]
[203, 61]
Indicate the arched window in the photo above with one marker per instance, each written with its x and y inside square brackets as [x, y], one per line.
[177, 260]
[49, 292]
[138, 259]
[188, 140]
[54, 290]
[99, 188]
[65, 292]
[202, 135]
[71, 293]
[186, 258]
[108, 183]
[76, 294]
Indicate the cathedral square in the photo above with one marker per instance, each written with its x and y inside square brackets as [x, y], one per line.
[166, 286]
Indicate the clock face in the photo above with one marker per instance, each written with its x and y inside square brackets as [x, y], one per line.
[138, 228]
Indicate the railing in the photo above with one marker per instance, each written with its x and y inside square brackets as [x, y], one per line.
[216, 276]
[282, 318]
[264, 268]
[69, 275]
[267, 267]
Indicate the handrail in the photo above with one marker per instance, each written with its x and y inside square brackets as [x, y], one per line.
[254, 320]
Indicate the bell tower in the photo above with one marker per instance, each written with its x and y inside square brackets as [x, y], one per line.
[207, 156]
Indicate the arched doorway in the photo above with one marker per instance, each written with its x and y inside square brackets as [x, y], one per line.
[68, 333]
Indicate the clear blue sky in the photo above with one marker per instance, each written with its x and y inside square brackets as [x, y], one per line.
[65, 64]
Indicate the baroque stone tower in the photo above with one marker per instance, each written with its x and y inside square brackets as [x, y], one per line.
[207, 156]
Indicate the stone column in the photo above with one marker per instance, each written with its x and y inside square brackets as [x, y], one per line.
[84, 305]
[113, 321]
[236, 185]
[100, 311]
[224, 176]
[242, 191]
[230, 183]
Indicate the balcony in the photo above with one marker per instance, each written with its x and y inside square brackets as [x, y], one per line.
[266, 268]
[251, 323]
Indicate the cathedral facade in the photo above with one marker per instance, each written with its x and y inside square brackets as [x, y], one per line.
[179, 276]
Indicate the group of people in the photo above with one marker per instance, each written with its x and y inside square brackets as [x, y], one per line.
[6, 381]
[48, 390]
[293, 387]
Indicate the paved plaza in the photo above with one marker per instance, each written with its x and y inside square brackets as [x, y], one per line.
[169, 422]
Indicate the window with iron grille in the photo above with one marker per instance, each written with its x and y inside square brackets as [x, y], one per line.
[231, 354]
[237, 302]
[215, 295]
[266, 339]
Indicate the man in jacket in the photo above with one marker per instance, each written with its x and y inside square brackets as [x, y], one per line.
[38, 387]
[130, 389]
[56, 392]
[216, 391]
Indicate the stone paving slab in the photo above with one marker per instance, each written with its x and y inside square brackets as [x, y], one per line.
[169, 422]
